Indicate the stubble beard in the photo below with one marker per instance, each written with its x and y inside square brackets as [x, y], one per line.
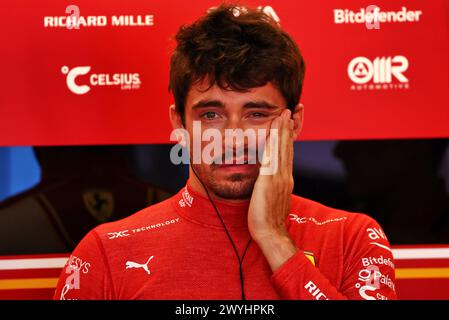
[235, 187]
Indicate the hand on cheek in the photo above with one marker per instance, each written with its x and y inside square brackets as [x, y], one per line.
[270, 201]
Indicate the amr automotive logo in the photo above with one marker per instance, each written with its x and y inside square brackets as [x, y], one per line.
[80, 80]
[380, 73]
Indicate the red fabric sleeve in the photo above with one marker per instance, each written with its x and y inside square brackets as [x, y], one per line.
[86, 275]
[368, 271]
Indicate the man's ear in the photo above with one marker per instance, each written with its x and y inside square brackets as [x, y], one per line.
[175, 118]
[298, 116]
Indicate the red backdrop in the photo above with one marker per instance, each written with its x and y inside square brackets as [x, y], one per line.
[37, 107]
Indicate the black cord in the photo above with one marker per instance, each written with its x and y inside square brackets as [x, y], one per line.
[242, 284]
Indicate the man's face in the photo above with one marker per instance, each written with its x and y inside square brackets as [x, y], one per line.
[220, 109]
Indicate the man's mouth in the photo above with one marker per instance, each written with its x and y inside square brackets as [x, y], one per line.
[232, 165]
[243, 160]
[238, 165]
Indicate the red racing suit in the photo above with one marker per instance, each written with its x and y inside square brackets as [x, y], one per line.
[178, 249]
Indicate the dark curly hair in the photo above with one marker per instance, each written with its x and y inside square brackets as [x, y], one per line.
[237, 48]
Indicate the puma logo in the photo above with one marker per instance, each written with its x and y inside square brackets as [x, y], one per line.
[131, 264]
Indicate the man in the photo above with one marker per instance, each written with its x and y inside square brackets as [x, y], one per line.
[232, 232]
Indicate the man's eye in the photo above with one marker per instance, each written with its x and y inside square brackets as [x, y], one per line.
[210, 115]
[257, 115]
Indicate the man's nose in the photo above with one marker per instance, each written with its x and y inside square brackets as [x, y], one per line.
[234, 122]
[233, 125]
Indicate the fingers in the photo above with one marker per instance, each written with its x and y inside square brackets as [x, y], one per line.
[286, 142]
[269, 151]
[286, 150]
[279, 145]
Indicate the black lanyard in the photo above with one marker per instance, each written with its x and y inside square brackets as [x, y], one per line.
[240, 260]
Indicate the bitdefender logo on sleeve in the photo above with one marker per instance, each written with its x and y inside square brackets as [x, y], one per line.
[79, 80]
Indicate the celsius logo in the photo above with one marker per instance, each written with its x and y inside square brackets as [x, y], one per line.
[126, 81]
[71, 77]
[378, 74]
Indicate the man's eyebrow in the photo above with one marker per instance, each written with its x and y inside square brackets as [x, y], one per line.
[260, 104]
[248, 105]
[207, 103]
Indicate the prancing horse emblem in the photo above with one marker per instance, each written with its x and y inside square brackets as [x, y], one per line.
[99, 203]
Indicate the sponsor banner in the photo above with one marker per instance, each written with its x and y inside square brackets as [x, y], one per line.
[422, 272]
[31, 277]
[97, 72]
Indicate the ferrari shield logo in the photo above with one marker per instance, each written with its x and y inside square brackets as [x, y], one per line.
[99, 203]
[310, 256]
